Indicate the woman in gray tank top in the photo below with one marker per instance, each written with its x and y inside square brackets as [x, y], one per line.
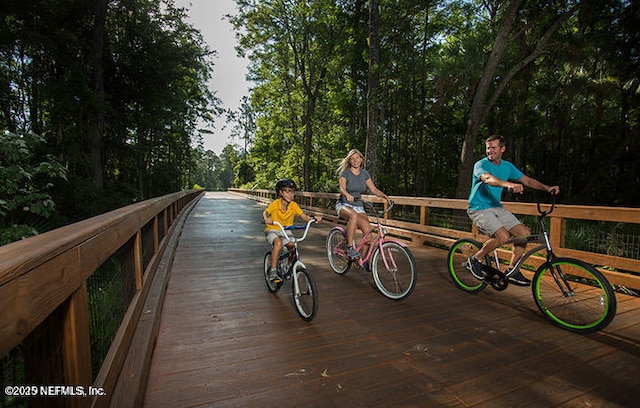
[353, 181]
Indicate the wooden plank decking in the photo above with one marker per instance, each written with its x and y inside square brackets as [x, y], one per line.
[226, 341]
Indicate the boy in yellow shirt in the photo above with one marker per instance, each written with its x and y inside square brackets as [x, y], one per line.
[283, 210]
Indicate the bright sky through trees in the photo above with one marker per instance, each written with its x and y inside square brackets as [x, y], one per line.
[228, 81]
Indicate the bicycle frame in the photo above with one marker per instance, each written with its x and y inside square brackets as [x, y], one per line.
[545, 244]
[297, 263]
[377, 241]
[542, 238]
[289, 266]
[558, 276]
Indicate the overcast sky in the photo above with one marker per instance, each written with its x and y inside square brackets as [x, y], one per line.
[228, 79]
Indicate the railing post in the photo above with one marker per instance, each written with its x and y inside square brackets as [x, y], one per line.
[156, 238]
[77, 344]
[164, 222]
[173, 213]
[424, 215]
[474, 231]
[138, 267]
[557, 231]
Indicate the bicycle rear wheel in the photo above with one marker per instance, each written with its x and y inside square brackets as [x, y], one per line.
[459, 253]
[574, 295]
[272, 286]
[394, 270]
[306, 299]
[337, 251]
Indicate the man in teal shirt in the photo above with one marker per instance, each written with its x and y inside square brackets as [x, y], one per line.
[491, 176]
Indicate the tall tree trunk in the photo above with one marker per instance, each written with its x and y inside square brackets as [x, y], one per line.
[372, 95]
[97, 123]
[476, 114]
[482, 101]
[308, 136]
[420, 169]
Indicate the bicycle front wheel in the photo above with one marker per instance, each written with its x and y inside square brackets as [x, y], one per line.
[459, 253]
[574, 295]
[337, 251]
[306, 298]
[394, 270]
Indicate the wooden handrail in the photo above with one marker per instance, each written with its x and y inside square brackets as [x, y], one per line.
[47, 274]
[422, 233]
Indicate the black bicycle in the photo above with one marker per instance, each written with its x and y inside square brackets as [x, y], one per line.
[305, 294]
[571, 293]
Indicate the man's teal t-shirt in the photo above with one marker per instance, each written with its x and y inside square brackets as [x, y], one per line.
[484, 196]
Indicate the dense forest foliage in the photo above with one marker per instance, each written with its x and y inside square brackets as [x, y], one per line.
[420, 84]
[101, 100]
[108, 94]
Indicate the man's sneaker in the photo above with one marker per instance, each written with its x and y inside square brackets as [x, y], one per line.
[273, 275]
[475, 267]
[367, 266]
[517, 279]
[352, 253]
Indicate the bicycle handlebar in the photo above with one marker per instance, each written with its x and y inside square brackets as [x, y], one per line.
[379, 213]
[296, 227]
[553, 205]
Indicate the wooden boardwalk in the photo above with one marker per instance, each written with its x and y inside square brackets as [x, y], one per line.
[226, 341]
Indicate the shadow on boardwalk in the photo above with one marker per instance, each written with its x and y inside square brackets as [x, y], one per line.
[226, 341]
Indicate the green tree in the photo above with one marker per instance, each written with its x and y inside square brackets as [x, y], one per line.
[25, 199]
[229, 158]
[488, 89]
[114, 88]
[159, 92]
[292, 45]
[372, 93]
[244, 124]
[208, 170]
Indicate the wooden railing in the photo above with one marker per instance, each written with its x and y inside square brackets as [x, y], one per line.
[43, 279]
[619, 270]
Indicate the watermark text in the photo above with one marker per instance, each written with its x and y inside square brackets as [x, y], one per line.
[53, 391]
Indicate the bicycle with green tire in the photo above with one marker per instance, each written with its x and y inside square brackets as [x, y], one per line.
[570, 293]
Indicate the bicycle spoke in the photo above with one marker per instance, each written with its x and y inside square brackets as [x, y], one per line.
[459, 253]
[394, 270]
[306, 298]
[574, 296]
[337, 251]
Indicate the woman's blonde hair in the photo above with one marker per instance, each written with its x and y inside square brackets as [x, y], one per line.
[344, 163]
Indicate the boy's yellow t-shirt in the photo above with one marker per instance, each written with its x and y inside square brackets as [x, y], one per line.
[283, 217]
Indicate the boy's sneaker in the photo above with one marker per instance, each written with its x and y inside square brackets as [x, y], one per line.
[273, 275]
[517, 279]
[352, 253]
[475, 267]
